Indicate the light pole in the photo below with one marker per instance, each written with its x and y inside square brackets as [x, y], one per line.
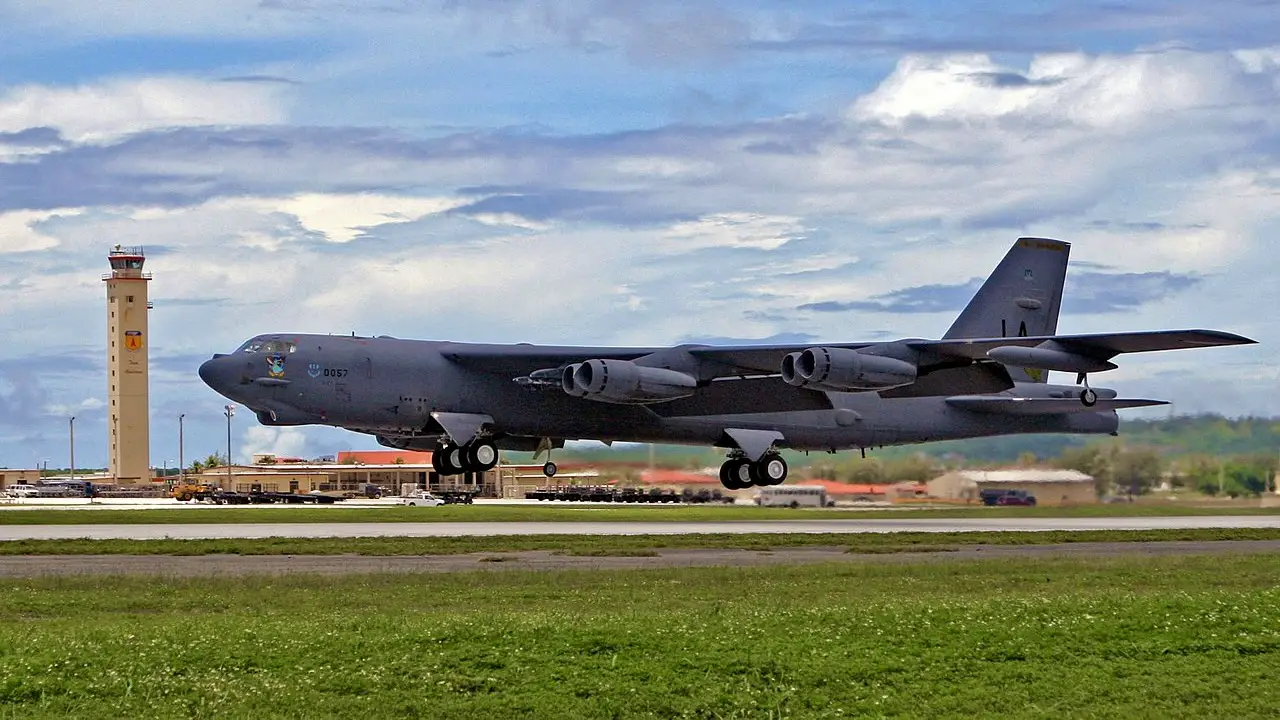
[229, 411]
[182, 466]
[72, 425]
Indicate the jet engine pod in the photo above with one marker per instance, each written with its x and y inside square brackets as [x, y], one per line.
[625, 383]
[789, 370]
[566, 381]
[844, 370]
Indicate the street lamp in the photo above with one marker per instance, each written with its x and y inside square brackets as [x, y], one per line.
[72, 425]
[229, 411]
[182, 466]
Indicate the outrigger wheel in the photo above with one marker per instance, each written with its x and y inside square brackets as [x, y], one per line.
[549, 469]
[1088, 396]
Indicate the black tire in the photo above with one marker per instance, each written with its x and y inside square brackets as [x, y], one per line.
[769, 470]
[448, 455]
[456, 460]
[732, 474]
[549, 469]
[481, 456]
[1089, 397]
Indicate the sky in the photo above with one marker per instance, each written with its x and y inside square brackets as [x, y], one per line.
[617, 172]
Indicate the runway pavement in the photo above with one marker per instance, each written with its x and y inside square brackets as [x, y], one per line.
[458, 529]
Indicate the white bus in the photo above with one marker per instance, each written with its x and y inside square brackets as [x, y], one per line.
[793, 496]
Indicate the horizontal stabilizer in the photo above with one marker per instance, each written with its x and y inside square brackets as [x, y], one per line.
[1003, 405]
[1101, 346]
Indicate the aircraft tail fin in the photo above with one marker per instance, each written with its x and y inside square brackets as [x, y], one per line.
[1021, 298]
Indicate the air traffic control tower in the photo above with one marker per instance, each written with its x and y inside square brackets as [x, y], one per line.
[127, 372]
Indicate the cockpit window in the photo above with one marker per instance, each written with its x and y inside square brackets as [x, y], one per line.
[268, 346]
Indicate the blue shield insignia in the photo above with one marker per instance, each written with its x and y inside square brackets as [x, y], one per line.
[275, 365]
[313, 370]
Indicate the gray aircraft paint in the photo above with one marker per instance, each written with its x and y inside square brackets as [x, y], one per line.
[1023, 297]
[417, 393]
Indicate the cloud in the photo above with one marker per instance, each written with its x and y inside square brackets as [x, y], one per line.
[1091, 293]
[285, 442]
[733, 230]
[1087, 293]
[789, 338]
[867, 208]
[112, 109]
[923, 299]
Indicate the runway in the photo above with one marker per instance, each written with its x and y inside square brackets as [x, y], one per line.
[216, 531]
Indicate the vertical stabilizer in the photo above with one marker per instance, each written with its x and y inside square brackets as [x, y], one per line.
[1022, 297]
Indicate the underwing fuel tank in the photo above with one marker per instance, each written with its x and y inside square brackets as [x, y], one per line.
[1049, 356]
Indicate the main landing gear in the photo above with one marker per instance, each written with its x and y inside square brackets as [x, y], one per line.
[474, 457]
[739, 473]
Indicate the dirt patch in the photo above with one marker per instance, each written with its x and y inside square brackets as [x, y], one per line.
[236, 565]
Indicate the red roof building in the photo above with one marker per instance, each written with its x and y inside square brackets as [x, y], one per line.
[385, 457]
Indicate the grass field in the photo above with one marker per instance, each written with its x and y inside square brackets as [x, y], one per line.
[559, 512]
[611, 545]
[1121, 637]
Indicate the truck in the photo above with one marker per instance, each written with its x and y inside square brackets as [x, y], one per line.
[1002, 496]
[421, 498]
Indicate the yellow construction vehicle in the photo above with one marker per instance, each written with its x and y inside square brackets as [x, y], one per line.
[194, 492]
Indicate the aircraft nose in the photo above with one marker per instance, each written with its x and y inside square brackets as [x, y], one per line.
[216, 373]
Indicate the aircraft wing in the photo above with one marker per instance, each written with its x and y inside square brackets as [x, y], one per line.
[731, 359]
[759, 358]
[1103, 346]
[524, 358]
[1003, 405]
[753, 360]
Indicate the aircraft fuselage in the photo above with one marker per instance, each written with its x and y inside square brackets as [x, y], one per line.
[391, 387]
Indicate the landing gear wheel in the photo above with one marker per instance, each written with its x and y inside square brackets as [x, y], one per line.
[456, 460]
[1089, 397]
[769, 470]
[441, 461]
[481, 456]
[549, 469]
[732, 474]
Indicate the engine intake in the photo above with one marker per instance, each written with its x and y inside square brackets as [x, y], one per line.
[843, 370]
[625, 383]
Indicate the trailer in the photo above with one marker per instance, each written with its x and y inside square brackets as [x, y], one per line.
[602, 493]
[218, 496]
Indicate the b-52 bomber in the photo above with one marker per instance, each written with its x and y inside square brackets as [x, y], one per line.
[988, 375]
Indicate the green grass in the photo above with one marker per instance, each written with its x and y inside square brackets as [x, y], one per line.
[1150, 637]
[567, 513]
[611, 544]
